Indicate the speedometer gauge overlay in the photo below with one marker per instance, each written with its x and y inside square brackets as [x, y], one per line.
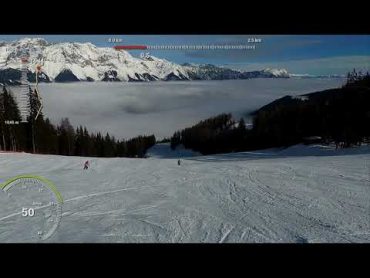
[31, 209]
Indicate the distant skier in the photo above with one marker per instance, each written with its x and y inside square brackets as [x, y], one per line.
[86, 165]
[178, 162]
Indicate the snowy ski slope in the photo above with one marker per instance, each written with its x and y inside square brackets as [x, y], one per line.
[303, 194]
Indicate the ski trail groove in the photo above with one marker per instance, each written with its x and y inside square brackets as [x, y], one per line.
[225, 235]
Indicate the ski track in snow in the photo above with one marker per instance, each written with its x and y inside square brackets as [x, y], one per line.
[265, 196]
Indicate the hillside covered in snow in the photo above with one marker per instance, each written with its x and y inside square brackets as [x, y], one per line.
[302, 194]
[67, 62]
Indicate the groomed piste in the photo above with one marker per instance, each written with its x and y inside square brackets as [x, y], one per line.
[302, 194]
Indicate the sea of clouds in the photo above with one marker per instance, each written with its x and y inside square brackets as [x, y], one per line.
[126, 110]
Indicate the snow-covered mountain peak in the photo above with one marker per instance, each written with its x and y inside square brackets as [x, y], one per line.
[74, 61]
[30, 41]
[277, 72]
[86, 61]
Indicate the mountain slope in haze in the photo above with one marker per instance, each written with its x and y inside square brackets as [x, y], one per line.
[67, 62]
[212, 72]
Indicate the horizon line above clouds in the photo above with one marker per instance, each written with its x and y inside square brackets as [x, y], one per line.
[340, 65]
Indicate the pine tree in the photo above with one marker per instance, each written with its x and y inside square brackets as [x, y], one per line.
[78, 141]
[109, 146]
[9, 113]
[175, 140]
[66, 137]
[241, 126]
[34, 106]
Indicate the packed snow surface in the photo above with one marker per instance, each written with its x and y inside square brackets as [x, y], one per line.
[303, 194]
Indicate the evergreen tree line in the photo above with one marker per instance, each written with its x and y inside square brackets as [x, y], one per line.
[41, 136]
[340, 116]
[357, 79]
[215, 135]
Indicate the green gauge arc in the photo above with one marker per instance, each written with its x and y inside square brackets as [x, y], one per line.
[47, 182]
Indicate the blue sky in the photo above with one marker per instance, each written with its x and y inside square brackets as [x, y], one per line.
[312, 54]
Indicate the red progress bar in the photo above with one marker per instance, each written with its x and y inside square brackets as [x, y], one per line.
[130, 47]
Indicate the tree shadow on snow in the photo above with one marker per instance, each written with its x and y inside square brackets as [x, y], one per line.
[294, 151]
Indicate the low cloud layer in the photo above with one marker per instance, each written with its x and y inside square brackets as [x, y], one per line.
[126, 110]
